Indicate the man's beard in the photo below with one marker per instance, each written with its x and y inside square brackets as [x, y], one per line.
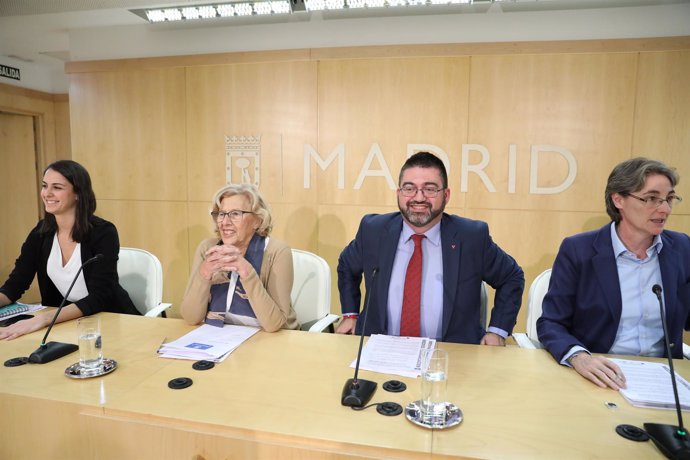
[420, 219]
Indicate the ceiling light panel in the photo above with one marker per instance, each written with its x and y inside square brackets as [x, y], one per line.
[276, 7]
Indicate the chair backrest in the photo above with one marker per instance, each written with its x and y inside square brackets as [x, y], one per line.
[311, 288]
[537, 291]
[483, 306]
[141, 274]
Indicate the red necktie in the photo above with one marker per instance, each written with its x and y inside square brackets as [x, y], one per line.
[409, 319]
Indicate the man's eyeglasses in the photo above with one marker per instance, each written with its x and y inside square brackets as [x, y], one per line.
[235, 215]
[429, 191]
[654, 202]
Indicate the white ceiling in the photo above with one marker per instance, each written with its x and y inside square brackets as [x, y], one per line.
[38, 36]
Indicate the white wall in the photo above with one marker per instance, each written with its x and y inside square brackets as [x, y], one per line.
[37, 76]
[162, 40]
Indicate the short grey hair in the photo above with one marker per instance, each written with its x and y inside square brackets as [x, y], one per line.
[629, 176]
[256, 202]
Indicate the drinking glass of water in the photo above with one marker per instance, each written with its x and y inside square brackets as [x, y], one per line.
[90, 350]
[434, 379]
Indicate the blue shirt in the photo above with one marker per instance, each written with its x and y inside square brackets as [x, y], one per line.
[431, 313]
[431, 309]
[639, 331]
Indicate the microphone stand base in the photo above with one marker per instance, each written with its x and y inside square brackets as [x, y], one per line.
[668, 441]
[357, 394]
[51, 351]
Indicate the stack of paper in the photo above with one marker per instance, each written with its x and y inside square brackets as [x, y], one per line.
[649, 385]
[207, 342]
[394, 355]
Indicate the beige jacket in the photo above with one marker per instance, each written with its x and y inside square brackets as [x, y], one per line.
[268, 292]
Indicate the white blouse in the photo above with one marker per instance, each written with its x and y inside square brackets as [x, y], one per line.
[62, 277]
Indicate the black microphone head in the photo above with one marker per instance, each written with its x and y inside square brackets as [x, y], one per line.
[375, 271]
[656, 289]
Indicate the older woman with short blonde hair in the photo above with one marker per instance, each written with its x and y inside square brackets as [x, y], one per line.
[241, 276]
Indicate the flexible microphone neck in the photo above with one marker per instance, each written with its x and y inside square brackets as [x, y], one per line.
[356, 393]
[672, 441]
[657, 291]
[374, 272]
[64, 299]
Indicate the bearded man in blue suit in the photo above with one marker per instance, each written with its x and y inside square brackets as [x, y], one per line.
[601, 295]
[458, 255]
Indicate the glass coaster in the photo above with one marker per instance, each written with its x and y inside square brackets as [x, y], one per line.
[75, 371]
[452, 416]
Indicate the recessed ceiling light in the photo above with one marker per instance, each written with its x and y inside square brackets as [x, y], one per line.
[277, 7]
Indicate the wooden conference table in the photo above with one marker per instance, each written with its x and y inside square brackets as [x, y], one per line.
[278, 396]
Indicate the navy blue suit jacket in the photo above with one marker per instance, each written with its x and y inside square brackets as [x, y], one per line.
[469, 257]
[583, 304]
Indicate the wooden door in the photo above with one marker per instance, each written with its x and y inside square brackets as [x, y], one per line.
[19, 196]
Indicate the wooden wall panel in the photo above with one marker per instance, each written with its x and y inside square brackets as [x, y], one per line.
[276, 101]
[128, 130]
[582, 102]
[381, 106]
[63, 135]
[199, 227]
[662, 116]
[298, 223]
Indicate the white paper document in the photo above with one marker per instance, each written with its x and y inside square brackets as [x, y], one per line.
[649, 385]
[394, 355]
[207, 342]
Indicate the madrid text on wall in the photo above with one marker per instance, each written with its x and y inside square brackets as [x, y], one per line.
[243, 164]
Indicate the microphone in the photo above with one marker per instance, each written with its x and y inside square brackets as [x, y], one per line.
[672, 441]
[358, 392]
[51, 351]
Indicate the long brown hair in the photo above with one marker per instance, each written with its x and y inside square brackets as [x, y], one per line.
[79, 177]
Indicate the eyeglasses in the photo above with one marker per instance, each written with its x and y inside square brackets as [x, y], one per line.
[654, 202]
[429, 191]
[235, 215]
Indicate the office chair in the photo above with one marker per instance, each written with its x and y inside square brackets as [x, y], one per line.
[311, 292]
[483, 306]
[141, 274]
[535, 297]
